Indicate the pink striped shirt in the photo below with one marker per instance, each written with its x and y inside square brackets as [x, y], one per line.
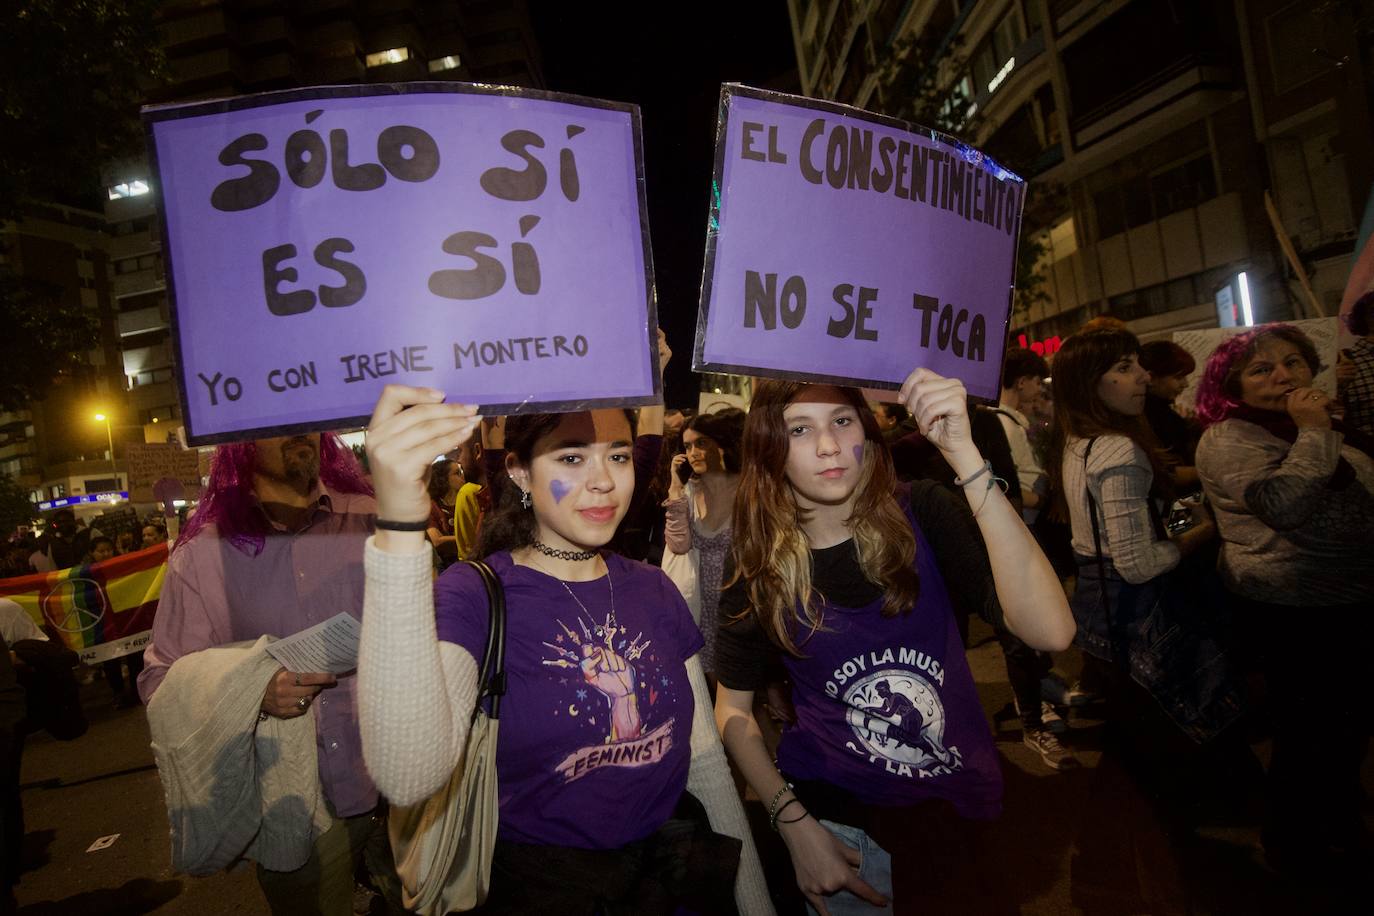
[216, 594]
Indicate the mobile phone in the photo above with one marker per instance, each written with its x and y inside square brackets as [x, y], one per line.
[684, 471]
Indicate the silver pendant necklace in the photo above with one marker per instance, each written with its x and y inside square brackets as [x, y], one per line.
[609, 582]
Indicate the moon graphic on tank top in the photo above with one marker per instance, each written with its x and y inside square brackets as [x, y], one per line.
[897, 715]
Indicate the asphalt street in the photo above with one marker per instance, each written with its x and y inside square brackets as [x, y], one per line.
[1083, 841]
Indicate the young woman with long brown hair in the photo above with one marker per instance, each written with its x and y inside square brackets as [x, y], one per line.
[1106, 464]
[848, 580]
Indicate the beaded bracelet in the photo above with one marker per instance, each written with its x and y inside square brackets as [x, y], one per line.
[773, 805]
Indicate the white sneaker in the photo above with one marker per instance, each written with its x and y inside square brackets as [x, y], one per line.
[1044, 743]
[1050, 718]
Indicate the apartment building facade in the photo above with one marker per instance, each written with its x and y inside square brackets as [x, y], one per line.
[220, 48]
[112, 262]
[1159, 134]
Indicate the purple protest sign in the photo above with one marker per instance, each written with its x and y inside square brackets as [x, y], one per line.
[850, 248]
[322, 243]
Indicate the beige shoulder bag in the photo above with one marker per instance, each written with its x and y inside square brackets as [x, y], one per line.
[443, 845]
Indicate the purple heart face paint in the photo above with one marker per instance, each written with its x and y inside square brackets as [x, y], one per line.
[558, 489]
[859, 453]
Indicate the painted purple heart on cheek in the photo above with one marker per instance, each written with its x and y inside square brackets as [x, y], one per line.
[859, 454]
[559, 489]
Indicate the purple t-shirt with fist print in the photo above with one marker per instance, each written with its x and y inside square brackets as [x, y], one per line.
[594, 739]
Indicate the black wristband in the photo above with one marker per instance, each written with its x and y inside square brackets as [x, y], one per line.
[386, 525]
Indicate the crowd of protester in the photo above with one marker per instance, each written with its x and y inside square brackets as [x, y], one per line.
[774, 605]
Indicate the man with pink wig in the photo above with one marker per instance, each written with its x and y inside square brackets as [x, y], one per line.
[276, 546]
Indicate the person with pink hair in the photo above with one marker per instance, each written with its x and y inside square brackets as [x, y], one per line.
[1293, 493]
[275, 547]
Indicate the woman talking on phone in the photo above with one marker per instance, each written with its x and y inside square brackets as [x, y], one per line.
[850, 580]
[701, 498]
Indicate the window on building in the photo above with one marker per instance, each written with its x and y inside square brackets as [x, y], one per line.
[499, 37]
[389, 56]
[958, 104]
[511, 71]
[885, 18]
[1016, 143]
[1146, 198]
[1182, 186]
[156, 414]
[942, 18]
[1156, 300]
[448, 62]
[133, 188]
[991, 60]
[1049, 114]
[1293, 32]
[132, 226]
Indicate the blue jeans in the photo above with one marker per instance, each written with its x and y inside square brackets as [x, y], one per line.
[875, 867]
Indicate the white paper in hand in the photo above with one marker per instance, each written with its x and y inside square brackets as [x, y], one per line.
[330, 647]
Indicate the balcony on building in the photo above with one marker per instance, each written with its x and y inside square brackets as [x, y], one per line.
[143, 363]
[142, 321]
[1144, 57]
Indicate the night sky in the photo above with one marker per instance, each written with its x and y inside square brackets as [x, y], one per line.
[671, 66]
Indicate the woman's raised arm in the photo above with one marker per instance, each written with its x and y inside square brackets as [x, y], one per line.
[1034, 607]
[415, 696]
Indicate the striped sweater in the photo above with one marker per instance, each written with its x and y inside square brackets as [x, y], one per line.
[1118, 475]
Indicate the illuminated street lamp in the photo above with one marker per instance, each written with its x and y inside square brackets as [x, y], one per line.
[109, 437]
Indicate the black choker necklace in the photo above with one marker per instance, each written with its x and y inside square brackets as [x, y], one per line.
[557, 554]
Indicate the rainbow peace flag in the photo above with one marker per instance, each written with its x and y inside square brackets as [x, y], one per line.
[103, 610]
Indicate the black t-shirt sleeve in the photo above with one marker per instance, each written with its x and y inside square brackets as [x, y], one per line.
[991, 440]
[745, 658]
[959, 550]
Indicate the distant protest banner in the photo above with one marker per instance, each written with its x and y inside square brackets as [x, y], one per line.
[101, 610]
[322, 243]
[851, 248]
[1200, 342]
[151, 462]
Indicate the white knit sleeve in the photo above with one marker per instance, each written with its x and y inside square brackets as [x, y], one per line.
[710, 781]
[415, 694]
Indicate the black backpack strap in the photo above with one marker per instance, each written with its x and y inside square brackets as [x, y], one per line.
[491, 678]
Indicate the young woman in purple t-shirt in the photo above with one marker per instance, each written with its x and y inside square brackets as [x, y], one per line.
[847, 581]
[606, 754]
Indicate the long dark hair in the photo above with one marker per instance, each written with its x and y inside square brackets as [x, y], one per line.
[725, 427]
[1080, 413]
[510, 525]
[438, 479]
[770, 550]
